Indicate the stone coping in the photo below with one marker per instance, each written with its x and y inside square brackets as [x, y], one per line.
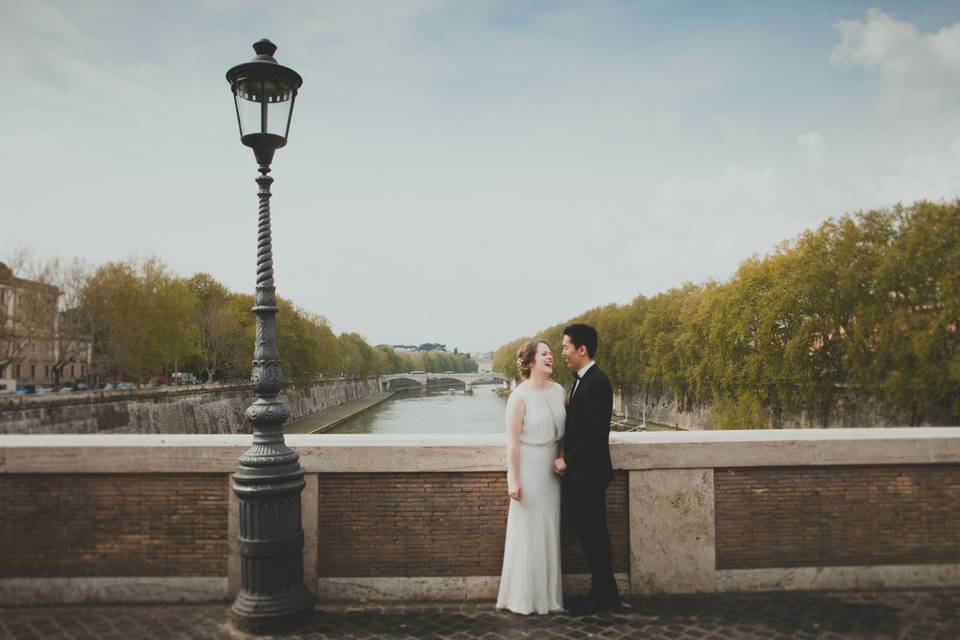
[342, 453]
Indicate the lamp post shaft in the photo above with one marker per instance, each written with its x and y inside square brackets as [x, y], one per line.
[269, 481]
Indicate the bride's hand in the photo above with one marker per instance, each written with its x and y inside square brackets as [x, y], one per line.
[513, 490]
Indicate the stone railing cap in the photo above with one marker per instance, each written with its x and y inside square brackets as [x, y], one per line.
[176, 453]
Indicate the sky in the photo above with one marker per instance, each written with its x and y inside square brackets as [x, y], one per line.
[471, 172]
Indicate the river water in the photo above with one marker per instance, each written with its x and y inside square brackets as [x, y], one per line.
[436, 412]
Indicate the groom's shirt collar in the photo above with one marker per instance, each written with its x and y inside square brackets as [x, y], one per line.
[586, 367]
[580, 375]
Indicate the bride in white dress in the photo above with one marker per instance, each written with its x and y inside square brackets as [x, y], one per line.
[530, 581]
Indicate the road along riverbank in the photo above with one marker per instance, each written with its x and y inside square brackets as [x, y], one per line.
[329, 418]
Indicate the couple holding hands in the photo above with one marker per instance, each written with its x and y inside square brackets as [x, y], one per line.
[557, 445]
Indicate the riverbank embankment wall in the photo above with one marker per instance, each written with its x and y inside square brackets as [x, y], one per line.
[846, 410]
[212, 409]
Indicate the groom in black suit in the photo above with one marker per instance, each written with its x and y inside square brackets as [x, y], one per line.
[585, 465]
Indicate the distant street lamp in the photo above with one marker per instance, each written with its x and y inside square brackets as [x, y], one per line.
[269, 481]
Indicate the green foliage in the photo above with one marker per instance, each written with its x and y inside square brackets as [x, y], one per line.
[140, 318]
[147, 322]
[867, 305]
[358, 357]
[742, 412]
[221, 329]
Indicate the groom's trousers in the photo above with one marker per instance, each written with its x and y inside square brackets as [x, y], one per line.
[586, 498]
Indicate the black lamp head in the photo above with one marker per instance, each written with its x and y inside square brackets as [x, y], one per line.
[264, 93]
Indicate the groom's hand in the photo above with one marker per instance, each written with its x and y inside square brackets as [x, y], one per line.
[559, 466]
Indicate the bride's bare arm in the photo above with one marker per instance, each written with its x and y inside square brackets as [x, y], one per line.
[515, 411]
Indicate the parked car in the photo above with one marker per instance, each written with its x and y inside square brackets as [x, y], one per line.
[126, 386]
[26, 388]
[183, 377]
[66, 389]
[43, 390]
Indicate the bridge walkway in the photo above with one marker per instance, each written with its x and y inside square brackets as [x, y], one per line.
[873, 615]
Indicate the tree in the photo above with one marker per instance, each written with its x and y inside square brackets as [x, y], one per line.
[73, 339]
[358, 356]
[864, 307]
[141, 317]
[220, 333]
[325, 344]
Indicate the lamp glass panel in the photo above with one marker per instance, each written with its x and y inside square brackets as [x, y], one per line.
[277, 115]
[249, 112]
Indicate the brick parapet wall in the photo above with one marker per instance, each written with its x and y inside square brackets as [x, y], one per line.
[434, 524]
[688, 512]
[58, 525]
[837, 516]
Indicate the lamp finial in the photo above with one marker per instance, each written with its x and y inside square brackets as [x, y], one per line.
[265, 50]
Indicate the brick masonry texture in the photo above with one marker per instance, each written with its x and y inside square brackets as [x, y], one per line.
[113, 525]
[434, 524]
[837, 516]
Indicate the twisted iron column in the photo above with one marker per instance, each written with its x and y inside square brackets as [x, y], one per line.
[269, 481]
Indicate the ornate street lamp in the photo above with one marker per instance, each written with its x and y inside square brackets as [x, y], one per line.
[269, 481]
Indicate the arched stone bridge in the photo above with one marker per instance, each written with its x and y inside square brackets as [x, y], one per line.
[392, 381]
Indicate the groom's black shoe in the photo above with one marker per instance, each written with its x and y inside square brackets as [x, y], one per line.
[595, 604]
[576, 601]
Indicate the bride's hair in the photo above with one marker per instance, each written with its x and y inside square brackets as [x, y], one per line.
[526, 354]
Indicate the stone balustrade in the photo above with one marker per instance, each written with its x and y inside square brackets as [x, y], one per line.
[99, 518]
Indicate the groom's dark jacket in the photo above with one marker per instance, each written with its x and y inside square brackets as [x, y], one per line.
[586, 449]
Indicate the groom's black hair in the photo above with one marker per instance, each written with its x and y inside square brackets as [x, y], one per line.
[582, 335]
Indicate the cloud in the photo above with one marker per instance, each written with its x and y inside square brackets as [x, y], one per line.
[917, 68]
[53, 63]
[437, 141]
[897, 146]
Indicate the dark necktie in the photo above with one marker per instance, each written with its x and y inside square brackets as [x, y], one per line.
[576, 379]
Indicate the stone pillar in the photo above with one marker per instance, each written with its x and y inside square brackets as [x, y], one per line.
[233, 541]
[309, 514]
[672, 533]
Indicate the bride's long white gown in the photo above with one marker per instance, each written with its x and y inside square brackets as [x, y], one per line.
[530, 581]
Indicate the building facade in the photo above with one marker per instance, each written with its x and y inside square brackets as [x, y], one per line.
[39, 343]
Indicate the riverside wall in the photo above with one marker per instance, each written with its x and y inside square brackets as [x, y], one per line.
[847, 410]
[209, 409]
[660, 407]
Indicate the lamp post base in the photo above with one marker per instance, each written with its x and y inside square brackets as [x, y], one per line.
[259, 615]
